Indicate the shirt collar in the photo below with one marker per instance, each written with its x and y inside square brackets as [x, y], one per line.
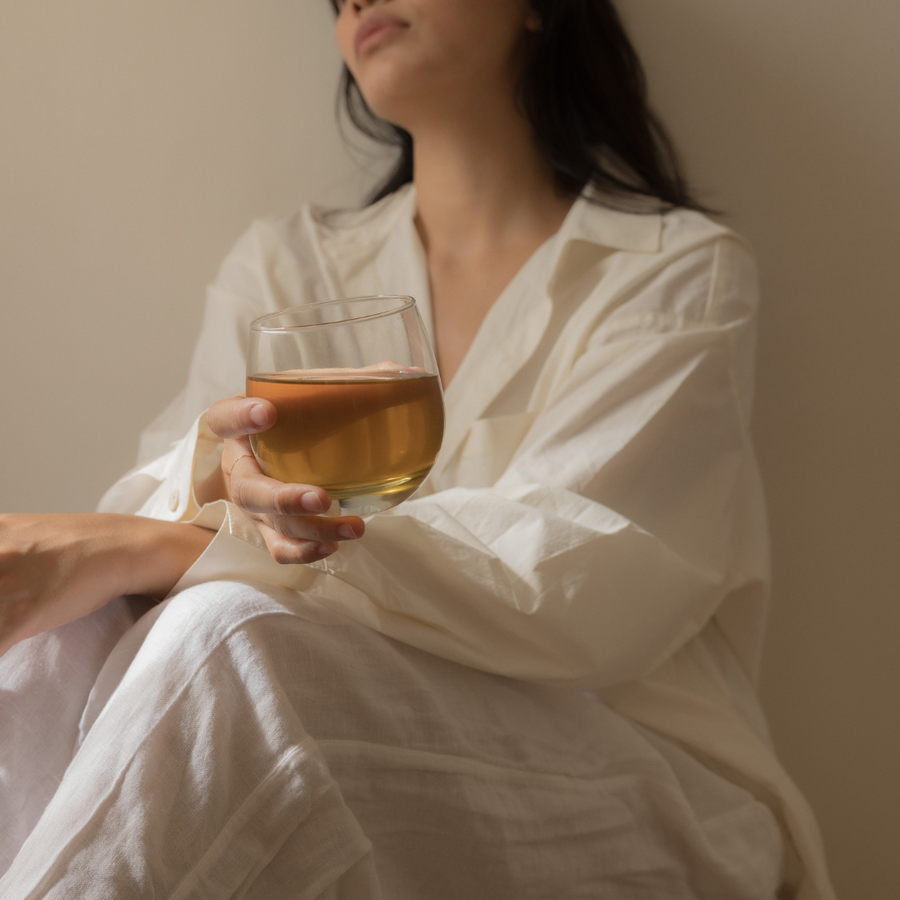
[590, 231]
[588, 220]
[591, 221]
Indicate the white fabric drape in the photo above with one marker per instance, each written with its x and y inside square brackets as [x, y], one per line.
[246, 741]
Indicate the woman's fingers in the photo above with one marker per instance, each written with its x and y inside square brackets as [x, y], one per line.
[238, 458]
[290, 510]
[294, 551]
[322, 529]
[256, 493]
[237, 416]
[288, 515]
[248, 486]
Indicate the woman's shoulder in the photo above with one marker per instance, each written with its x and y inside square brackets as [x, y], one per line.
[670, 266]
[647, 229]
[298, 254]
[683, 227]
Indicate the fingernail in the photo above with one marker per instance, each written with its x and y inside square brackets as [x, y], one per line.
[325, 550]
[346, 531]
[258, 415]
[311, 501]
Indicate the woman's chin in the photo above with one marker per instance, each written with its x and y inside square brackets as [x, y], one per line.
[396, 107]
[393, 91]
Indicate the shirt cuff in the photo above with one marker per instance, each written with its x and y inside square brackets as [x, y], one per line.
[238, 553]
[165, 489]
[176, 475]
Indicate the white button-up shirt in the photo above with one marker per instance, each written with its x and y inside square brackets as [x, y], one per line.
[595, 516]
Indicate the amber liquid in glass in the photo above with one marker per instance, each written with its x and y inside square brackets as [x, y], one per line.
[371, 434]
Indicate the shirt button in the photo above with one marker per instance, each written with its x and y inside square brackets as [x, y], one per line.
[174, 497]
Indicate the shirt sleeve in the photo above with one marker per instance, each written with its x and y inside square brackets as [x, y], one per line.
[176, 449]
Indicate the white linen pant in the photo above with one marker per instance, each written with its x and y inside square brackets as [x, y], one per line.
[245, 741]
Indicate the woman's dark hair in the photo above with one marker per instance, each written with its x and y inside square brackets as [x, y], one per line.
[584, 91]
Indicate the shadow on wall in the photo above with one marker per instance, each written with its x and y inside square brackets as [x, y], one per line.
[788, 121]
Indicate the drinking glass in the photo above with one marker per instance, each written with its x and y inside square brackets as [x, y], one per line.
[358, 396]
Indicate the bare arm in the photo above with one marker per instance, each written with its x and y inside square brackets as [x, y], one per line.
[57, 568]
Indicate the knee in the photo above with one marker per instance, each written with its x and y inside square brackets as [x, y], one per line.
[208, 613]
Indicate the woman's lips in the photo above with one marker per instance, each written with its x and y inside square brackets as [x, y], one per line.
[373, 30]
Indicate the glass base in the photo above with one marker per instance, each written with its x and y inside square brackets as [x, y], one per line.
[379, 499]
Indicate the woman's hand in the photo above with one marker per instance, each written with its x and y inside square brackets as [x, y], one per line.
[284, 513]
[57, 568]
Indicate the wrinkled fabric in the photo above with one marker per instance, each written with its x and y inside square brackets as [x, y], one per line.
[594, 526]
[256, 744]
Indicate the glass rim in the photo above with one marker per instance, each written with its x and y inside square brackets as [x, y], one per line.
[259, 324]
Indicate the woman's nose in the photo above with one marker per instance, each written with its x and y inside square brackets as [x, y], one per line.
[360, 5]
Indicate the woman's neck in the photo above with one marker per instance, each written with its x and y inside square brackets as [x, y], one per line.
[482, 186]
[486, 201]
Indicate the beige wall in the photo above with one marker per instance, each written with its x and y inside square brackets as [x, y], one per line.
[139, 139]
[137, 142]
[788, 115]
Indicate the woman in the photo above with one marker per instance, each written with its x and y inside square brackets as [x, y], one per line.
[533, 680]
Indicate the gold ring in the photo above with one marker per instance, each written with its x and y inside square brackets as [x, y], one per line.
[243, 456]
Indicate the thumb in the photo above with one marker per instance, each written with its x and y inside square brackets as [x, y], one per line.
[238, 416]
